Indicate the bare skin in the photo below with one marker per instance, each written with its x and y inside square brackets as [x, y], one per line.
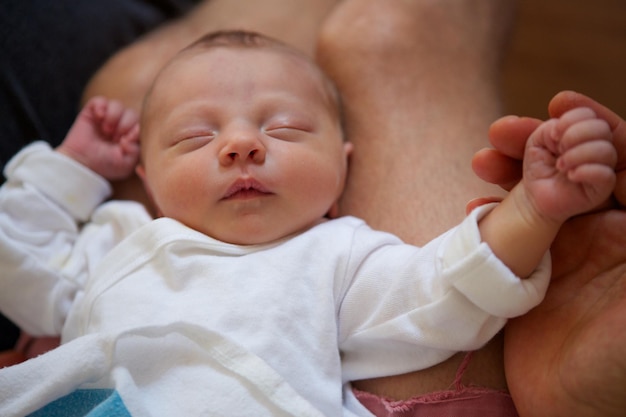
[409, 36]
[114, 158]
[576, 364]
[402, 68]
[127, 76]
[579, 366]
[381, 191]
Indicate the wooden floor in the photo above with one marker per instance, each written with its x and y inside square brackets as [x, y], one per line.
[566, 44]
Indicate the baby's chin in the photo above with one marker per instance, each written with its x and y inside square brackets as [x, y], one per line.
[251, 239]
[262, 235]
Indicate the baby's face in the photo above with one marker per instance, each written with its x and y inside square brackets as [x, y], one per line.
[242, 144]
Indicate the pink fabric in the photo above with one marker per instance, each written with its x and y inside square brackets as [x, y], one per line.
[469, 402]
[461, 401]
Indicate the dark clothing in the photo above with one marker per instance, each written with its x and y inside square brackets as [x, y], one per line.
[49, 49]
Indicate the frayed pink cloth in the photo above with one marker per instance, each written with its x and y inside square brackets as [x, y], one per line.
[468, 402]
[462, 401]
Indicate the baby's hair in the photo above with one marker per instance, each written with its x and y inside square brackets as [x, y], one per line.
[237, 38]
[254, 40]
[249, 39]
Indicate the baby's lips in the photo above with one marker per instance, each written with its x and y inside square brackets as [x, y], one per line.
[245, 184]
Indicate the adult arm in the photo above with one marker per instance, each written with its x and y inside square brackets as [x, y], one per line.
[420, 86]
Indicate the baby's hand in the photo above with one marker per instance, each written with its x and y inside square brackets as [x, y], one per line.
[569, 165]
[104, 138]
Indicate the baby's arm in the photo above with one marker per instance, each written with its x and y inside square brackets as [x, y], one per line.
[45, 258]
[104, 138]
[568, 170]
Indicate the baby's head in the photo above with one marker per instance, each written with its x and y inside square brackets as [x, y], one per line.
[241, 139]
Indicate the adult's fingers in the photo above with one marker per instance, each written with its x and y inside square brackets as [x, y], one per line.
[503, 164]
[494, 167]
[510, 133]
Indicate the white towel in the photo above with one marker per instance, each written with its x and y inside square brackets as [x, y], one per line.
[176, 369]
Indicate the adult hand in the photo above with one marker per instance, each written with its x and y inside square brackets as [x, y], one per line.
[502, 164]
[568, 356]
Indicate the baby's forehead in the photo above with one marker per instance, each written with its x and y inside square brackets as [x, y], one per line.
[303, 67]
[228, 53]
[221, 63]
[199, 54]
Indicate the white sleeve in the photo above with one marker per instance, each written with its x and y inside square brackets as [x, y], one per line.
[42, 204]
[482, 278]
[409, 308]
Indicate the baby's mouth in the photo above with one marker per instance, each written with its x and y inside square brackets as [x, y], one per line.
[246, 188]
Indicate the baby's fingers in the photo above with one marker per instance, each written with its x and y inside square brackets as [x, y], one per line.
[112, 116]
[98, 107]
[597, 152]
[599, 179]
[129, 123]
[129, 142]
[583, 131]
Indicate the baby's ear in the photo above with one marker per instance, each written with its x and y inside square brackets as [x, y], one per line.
[348, 147]
[140, 170]
[333, 212]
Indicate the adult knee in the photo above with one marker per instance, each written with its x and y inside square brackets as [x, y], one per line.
[367, 29]
[376, 30]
